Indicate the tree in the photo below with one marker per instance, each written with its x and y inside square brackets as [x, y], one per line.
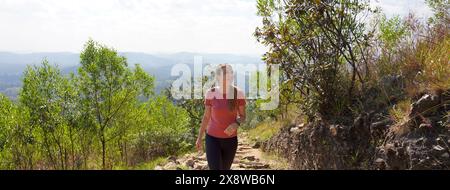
[108, 87]
[321, 47]
[17, 138]
[45, 95]
[7, 117]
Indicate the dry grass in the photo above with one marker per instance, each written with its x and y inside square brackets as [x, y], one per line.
[400, 112]
[265, 130]
[436, 67]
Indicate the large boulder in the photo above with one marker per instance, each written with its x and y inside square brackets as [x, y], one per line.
[426, 106]
[320, 145]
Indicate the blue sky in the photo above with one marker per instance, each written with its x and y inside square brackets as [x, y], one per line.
[153, 26]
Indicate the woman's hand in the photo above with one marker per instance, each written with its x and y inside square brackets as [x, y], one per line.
[231, 129]
[199, 144]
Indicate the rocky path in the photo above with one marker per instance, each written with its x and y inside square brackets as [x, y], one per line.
[248, 157]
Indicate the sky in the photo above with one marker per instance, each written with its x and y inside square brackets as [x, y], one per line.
[150, 26]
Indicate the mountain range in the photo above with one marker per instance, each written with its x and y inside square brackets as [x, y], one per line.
[12, 65]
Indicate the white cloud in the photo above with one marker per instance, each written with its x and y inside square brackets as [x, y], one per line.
[130, 25]
[224, 26]
[403, 7]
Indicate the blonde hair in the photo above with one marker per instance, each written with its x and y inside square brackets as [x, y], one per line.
[222, 68]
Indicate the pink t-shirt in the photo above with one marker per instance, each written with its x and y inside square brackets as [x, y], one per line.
[221, 116]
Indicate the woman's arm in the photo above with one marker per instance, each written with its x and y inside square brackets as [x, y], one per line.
[203, 126]
[231, 129]
[241, 113]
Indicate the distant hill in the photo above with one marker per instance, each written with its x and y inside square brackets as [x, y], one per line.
[12, 65]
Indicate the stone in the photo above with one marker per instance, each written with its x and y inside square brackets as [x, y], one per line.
[158, 168]
[249, 158]
[189, 163]
[380, 163]
[425, 106]
[335, 130]
[445, 155]
[420, 141]
[294, 130]
[253, 165]
[440, 141]
[202, 157]
[425, 125]
[257, 144]
[244, 148]
[438, 148]
[380, 125]
[170, 166]
[172, 158]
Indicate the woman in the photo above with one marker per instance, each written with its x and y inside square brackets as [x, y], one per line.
[224, 112]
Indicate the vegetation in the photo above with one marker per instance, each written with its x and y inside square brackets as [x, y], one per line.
[106, 116]
[338, 60]
[335, 66]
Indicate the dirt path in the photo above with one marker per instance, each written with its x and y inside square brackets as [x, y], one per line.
[248, 157]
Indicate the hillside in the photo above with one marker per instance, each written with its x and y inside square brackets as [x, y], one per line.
[12, 65]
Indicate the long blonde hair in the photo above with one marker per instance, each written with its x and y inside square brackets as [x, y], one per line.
[232, 103]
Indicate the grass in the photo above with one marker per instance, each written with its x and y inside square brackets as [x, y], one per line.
[436, 67]
[264, 130]
[151, 164]
[276, 161]
[400, 112]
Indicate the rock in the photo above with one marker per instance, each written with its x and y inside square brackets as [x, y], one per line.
[170, 166]
[158, 168]
[440, 141]
[378, 129]
[201, 167]
[254, 165]
[380, 125]
[294, 130]
[420, 141]
[335, 130]
[396, 158]
[425, 106]
[250, 158]
[189, 163]
[244, 148]
[257, 144]
[445, 156]
[425, 125]
[380, 163]
[438, 148]
[202, 157]
[172, 158]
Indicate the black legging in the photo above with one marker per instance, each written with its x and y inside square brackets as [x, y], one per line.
[220, 152]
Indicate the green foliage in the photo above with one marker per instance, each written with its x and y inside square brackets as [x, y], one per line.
[109, 89]
[165, 129]
[47, 96]
[17, 148]
[321, 48]
[106, 116]
[441, 8]
[7, 117]
[392, 30]
[334, 66]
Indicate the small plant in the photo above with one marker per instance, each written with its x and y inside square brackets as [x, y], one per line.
[400, 112]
